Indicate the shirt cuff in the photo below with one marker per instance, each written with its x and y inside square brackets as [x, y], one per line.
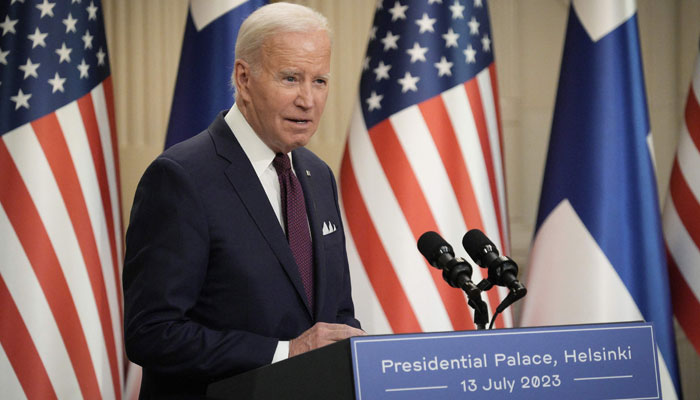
[282, 351]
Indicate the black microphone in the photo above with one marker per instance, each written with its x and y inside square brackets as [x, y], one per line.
[502, 271]
[455, 270]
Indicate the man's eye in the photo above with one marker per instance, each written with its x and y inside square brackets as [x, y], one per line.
[290, 79]
[321, 81]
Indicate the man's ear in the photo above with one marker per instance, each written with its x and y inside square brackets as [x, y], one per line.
[242, 74]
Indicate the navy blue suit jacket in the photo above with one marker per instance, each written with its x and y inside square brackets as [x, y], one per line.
[210, 283]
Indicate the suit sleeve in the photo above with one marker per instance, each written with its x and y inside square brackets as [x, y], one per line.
[167, 249]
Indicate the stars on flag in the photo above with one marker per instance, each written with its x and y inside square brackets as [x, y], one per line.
[46, 8]
[413, 48]
[473, 26]
[61, 44]
[426, 23]
[417, 52]
[87, 40]
[38, 38]
[70, 22]
[457, 10]
[408, 82]
[444, 67]
[486, 43]
[3, 56]
[451, 38]
[398, 12]
[390, 41]
[21, 100]
[63, 53]
[92, 11]
[83, 68]
[470, 55]
[100, 56]
[8, 26]
[374, 101]
[29, 69]
[382, 71]
[57, 83]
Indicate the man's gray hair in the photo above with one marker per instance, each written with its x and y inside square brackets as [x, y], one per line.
[272, 19]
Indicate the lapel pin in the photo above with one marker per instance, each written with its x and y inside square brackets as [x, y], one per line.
[308, 173]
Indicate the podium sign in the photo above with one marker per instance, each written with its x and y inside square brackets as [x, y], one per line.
[606, 361]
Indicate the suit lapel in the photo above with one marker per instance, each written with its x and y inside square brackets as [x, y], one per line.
[248, 188]
[305, 175]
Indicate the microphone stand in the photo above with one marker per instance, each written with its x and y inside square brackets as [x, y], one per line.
[481, 314]
[462, 280]
[513, 296]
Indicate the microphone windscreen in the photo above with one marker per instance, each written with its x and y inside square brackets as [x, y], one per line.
[474, 242]
[429, 245]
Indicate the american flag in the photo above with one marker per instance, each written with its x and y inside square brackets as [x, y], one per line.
[60, 219]
[681, 219]
[424, 152]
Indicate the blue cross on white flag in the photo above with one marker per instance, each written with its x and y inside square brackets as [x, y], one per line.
[598, 254]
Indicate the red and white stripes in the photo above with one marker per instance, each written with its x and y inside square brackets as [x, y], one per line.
[681, 219]
[434, 166]
[61, 234]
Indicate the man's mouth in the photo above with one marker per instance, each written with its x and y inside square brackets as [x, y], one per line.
[299, 121]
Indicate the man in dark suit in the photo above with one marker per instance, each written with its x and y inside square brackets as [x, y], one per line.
[221, 275]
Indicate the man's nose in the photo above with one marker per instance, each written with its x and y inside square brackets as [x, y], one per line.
[304, 97]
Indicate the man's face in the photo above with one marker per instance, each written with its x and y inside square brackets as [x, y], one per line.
[286, 96]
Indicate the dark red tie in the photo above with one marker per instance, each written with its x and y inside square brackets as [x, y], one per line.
[294, 214]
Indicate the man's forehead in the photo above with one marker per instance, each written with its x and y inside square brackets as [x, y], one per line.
[312, 40]
[292, 50]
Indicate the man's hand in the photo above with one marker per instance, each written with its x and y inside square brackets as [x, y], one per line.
[320, 335]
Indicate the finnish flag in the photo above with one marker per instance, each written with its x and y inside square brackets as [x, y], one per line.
[203, 86]
[598, 254]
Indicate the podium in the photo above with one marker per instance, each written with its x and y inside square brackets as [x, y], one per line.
[324, 373]
[600, 361]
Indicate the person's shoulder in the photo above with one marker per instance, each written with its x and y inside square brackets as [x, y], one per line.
[308, 157]
[199, 147]
[189, 148]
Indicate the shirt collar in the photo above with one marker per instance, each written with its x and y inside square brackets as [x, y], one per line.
[258, 153]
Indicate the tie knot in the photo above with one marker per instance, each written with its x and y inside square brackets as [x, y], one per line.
[281, 163]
